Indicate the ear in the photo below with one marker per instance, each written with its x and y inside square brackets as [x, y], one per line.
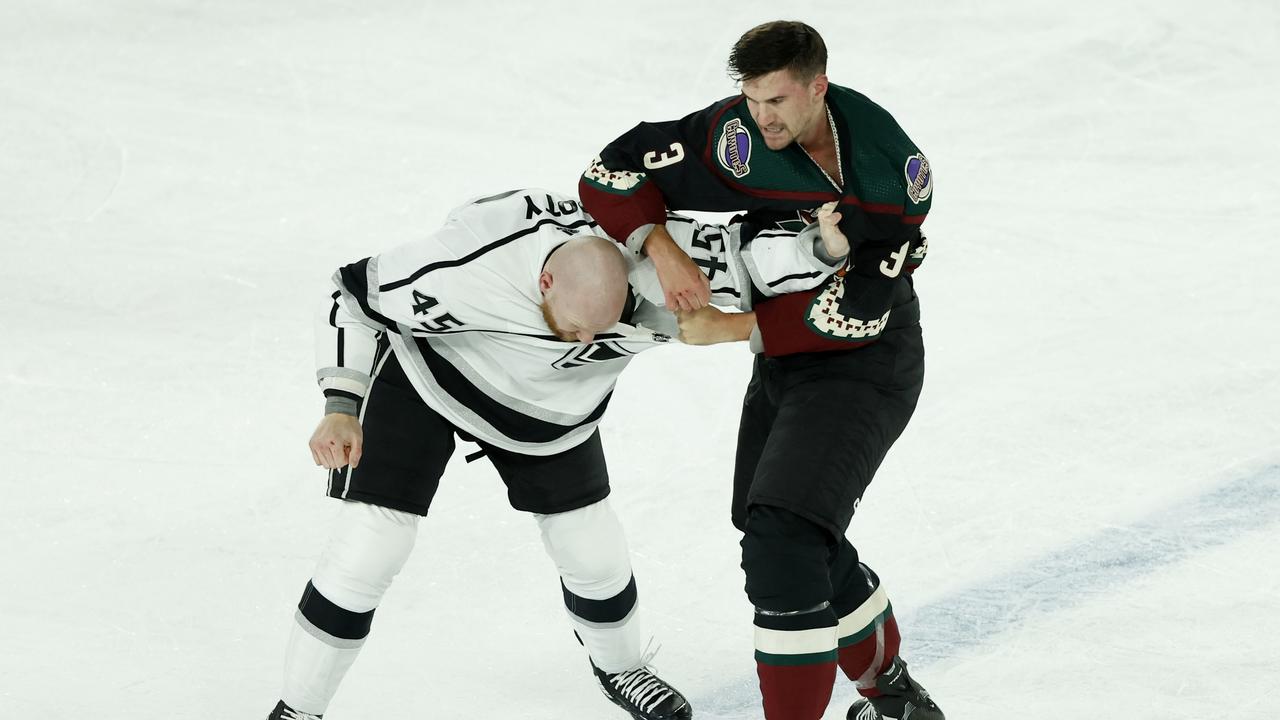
[544, 282]
[819, 86]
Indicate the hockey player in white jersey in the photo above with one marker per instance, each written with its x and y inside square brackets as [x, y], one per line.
[507, 327]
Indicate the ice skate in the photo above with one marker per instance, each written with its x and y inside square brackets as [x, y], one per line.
[642, 694]
[903, 698]
[284, 712]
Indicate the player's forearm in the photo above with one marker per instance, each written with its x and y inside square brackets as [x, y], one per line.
[660, 246]
[820, 321]
[709, 326]
[739, 326]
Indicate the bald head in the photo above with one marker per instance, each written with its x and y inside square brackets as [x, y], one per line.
[584, 288]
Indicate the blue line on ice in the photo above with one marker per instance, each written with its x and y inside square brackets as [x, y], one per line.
[1092, 566]
[1059, 580]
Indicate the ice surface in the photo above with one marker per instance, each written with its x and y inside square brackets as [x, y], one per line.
[1082, 518]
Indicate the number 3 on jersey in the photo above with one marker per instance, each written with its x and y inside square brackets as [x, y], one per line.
[670, 156]
[892, 266]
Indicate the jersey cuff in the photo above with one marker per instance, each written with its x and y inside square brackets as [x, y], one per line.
[341, 404]
[344, 380]
[635, 241]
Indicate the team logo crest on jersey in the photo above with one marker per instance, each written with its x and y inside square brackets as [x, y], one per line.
[734, 150]
[802, 220]
[593, 353]
[919, 178]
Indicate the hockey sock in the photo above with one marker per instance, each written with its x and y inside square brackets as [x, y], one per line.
[366, 550]
[590, 552]
[869, 641]
[785, 558]
[322, 646]
[796, 662]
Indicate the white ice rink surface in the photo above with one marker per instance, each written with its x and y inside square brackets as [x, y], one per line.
[1081, 521]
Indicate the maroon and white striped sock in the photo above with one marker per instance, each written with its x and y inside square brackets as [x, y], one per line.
[868, 642]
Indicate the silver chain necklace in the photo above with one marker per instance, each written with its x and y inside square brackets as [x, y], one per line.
[835, 138]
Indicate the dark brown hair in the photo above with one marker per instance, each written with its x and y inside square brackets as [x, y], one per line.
[776, 45]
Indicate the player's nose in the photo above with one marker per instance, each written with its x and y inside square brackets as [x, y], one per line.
[585, 336]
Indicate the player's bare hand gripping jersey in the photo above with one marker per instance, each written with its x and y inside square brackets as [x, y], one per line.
[461, 309]
[715, 159]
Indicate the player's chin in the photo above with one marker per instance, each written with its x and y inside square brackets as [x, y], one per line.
[777, 142]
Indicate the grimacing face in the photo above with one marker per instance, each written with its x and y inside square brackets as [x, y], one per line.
[785, 109]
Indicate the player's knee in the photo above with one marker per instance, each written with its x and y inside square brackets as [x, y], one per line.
[589, 549]
[785, 558]
[368, 547]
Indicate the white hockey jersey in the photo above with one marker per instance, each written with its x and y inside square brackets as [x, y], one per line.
[461, 309]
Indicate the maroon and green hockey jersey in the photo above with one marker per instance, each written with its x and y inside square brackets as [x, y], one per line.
[716, 160]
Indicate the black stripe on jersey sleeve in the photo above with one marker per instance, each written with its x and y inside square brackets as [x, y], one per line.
[355, 280]
[629, 307]
[333, 323]
[499, 196]
[487, 248]
[508, 422]
[333, 311]
[797, 276]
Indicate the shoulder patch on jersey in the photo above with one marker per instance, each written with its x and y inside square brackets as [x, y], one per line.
[618, 181]
[919, 178]
[734, 148]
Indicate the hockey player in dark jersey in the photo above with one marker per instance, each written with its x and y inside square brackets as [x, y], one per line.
[839, 369]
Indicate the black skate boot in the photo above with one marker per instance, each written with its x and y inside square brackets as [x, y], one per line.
[284, 712]
[903, 698]
[643, 694]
